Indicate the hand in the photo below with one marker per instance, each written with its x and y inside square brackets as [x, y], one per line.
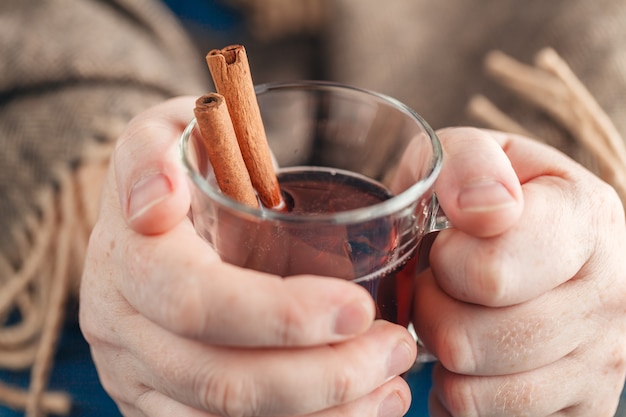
[529, 320]
[176, 332]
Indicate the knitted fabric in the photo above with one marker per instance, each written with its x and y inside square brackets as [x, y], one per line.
[73, 74]
[429, 54]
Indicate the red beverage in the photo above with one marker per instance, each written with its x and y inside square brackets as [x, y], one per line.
[340, 224]
[370, 248]
[322, 191]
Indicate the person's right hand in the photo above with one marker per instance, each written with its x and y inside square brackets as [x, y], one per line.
[176, 332]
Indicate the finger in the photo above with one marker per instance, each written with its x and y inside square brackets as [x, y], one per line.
[208, 299]
[177, 281]
[555, 390]
[155, 404]
[554, 238]
[151, 182]
[390, 400]
[477, 188]
[475, 340]
[121, 377]
[229, 381]
[140, 401]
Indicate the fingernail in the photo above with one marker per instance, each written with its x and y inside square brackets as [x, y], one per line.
[353, 318]
[392, 406]
[400, 360]
[149, 191]
[484, 196]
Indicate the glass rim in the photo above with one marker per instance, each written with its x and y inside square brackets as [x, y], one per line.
[392, 205]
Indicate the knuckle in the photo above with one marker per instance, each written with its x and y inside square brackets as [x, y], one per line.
[113, 389]
[227, 396]
[142, 402]
[486, 271]
[292, 324]
[612, 204]
[93, 313]
[460, 396]
[342, 388]
[108, 378]
[600, 202]
[608, 233]
[89, 328]
[188, 318]
[455, 350]
[86, 320]
[613, 351]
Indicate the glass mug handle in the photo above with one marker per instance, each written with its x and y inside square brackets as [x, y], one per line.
[436, 221]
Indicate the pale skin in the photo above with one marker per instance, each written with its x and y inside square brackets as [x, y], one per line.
[523, 302]
[531, 322]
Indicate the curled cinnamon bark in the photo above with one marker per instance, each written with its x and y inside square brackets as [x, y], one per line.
[221, 146]
[231, 75]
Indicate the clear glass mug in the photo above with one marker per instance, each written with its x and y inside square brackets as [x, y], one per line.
[334, 146]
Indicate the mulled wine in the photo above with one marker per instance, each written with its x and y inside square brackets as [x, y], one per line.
[370, 248]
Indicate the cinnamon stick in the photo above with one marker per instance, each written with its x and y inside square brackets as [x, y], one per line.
[232, 78]
[221, 145]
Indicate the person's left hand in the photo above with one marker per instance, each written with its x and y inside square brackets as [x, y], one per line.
[531, 321]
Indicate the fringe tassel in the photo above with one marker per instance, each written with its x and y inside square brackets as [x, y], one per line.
[552, 86]
[39, 290]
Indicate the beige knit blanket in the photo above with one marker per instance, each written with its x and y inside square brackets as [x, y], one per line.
[74, 72]
[430, 54]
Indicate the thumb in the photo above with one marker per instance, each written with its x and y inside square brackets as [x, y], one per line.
[477, 188]
[151, 181]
